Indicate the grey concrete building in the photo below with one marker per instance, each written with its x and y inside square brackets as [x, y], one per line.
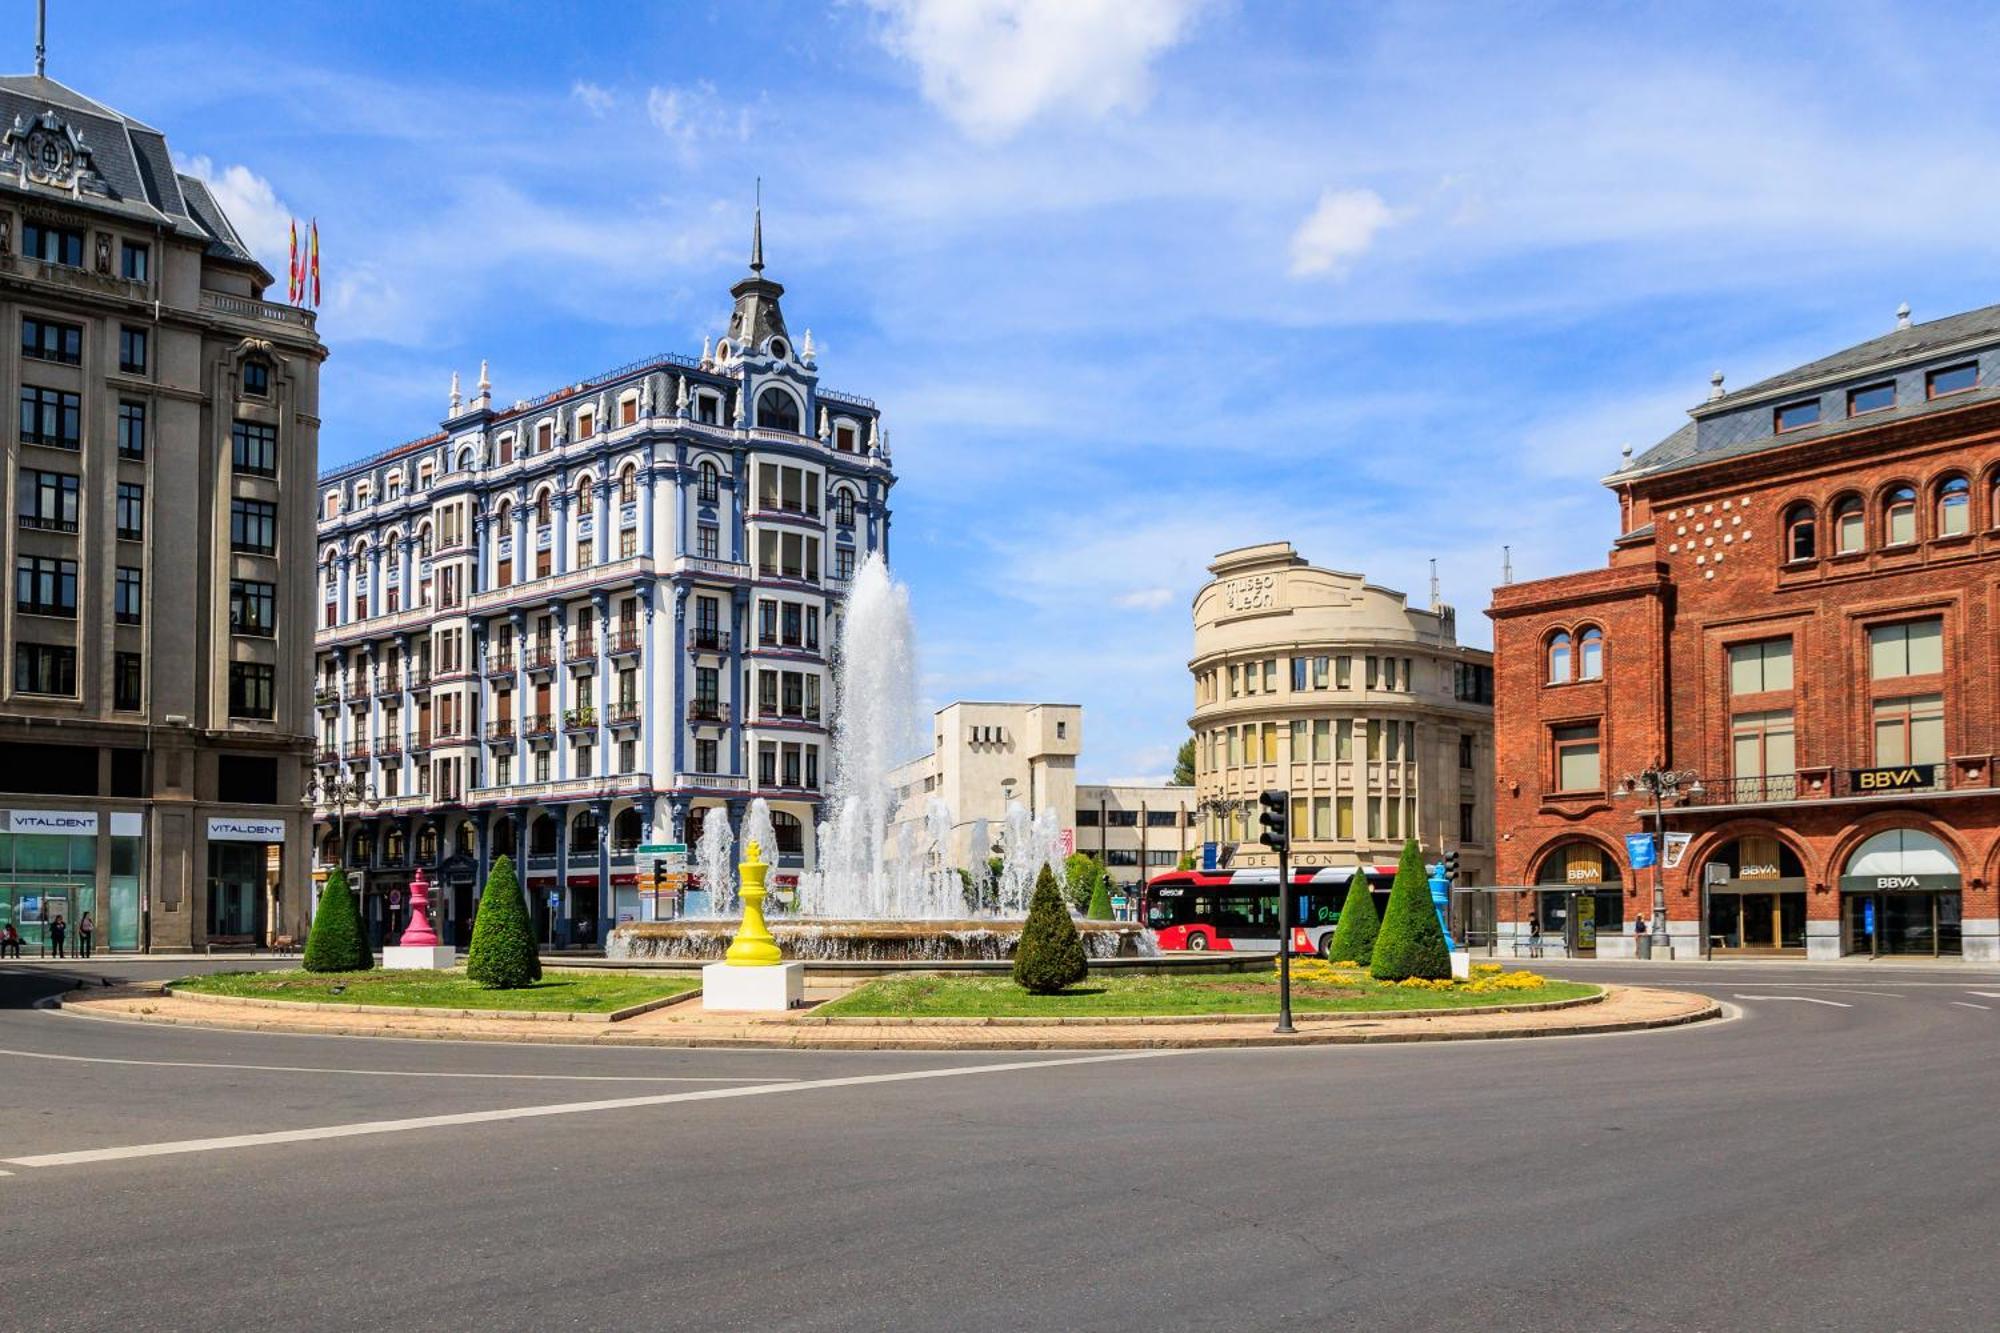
[155, 725]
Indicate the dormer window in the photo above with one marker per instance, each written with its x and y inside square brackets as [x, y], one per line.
[545, 437]
[628, 411]
[1952, 379]
[1874, 398]
[256, 379]
[586, 425]
[708, 409]
[778, 348]
[843, 439]
[1797, 416]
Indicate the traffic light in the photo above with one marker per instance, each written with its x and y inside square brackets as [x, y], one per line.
[1276, 819]
[1451, 865]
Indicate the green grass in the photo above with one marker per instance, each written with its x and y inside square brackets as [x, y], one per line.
[934, 996]
[571, 992]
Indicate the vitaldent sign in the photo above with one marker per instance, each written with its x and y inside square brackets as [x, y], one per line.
[246, 830]
[70, 823]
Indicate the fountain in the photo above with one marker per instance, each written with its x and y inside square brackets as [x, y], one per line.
[884, 889]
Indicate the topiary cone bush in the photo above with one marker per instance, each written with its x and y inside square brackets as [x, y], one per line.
[1050, 955]
[336, 942]
[1411, 943]
[1354, 938]
[1100, 899]
[503, 955]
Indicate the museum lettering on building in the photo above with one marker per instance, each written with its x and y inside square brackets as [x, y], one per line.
[1798, 612]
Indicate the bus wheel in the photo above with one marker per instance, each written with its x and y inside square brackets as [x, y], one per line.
[1326, 946]
[1198, 943]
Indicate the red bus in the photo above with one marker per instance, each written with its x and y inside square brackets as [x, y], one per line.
[1238, 909]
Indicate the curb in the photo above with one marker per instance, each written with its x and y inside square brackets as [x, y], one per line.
[431, 1011]
[1148, 1020]
[789, 1037]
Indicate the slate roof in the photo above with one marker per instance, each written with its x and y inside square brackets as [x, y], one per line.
[1897, 345]
[133, 163]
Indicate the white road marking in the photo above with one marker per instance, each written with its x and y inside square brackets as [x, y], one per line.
[1802, 999]
[89, 1155]
[1985, 994]
[397, 1073]
[1967, 1004]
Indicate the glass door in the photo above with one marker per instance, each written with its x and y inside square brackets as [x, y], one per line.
[1858, 913]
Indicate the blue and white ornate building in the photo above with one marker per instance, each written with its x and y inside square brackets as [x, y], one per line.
[591, 620]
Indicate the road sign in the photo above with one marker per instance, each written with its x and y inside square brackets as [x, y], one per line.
[1639, 849]
[662, 849]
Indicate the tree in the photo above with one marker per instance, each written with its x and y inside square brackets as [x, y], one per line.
[1184, 765]
[1186, 861]
[503, 955]
[337, 942]
[1100, 899]
[1080, 875]
[1354, 938]
[1412, 942]
[1050, 955]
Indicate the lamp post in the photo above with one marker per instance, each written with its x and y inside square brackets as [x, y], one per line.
[1662, 785]
[331, 787]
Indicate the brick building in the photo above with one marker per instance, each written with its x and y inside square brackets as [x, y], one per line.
[1799, 611]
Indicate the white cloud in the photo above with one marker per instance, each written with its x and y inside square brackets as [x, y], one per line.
[261, 218]
[692, 115]
[1144, 599]
[596, 99]
[1338, 231]
[992, 66]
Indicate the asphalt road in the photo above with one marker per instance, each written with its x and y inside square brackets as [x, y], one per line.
[1821, 1162]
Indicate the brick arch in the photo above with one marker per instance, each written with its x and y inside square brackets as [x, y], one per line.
[1900, 817]
[1722, 835]
[1564, 838]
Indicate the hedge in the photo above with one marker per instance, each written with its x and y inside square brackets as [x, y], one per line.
[1050, 955]
[503, 954]
[1412, 942]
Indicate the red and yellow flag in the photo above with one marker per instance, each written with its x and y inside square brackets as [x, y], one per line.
[315, 262]
[292, 274]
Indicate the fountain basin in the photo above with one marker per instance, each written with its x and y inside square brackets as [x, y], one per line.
[827, 939]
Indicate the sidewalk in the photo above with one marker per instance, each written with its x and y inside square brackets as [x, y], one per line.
[1623, 1009]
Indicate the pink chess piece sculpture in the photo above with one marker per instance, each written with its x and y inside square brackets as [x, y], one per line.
[418, 934]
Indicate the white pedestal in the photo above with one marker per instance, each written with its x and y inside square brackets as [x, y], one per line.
[1461, 965]
[397, 957]
[778, 988]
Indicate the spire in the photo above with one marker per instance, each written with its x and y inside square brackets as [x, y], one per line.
[41, 38]
[456, 400]
[757, 318]
[757, 232]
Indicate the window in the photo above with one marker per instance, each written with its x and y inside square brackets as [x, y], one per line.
[1914, 648]
[47, 500]
[843, 509]
[1850, 526]
[1797, 416]
[708, 409]
[127, 682]
[1559, 656]
[1590, 655]
[628, 411]
[54, 245]
[1899, 517]
[256, 378]
[1762, 744]
[132, 511]
[707, 541]
[1576, 758]
[1954, 507]
[1755, 668]
[46, 340]
[1466, 830]
[1801, 539]
[132, 351]
[1874, 398]
[129, 595]
[843, 562]
[708, 489]
[704, 755]
[45, 586]
[586, 426]
[1909, 730]
[252, 687]
[131, 429]
[134, 261]
[253, 608]
[45, 668]
[1465, 749]
[777, 410]
[254, 448]
[51, 417]
[253, 527]
[1952, 379]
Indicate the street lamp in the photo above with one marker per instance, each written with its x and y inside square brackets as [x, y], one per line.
[329, 787]
[1662, 784]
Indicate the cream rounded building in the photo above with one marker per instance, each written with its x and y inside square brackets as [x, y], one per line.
[1366, 709]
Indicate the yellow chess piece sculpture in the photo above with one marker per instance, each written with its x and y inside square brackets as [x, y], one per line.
[753, 945]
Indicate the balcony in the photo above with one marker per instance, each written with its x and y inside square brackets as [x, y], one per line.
[570, 789]
[711, 567]
[581, 651]
[623, 713]
[420, 680]
[388, 682]
[1813, 785]
[326, 696]
[420, 740]
[797, 717]
[500, 731]
[260, 312]
[328, 756]
[708, 639]
[500, 663]
[580, 719]
[625, 643]
[713, 781]
[357, 753]
[539, 657]
[538, 726]
[390, 746]
[707, 710]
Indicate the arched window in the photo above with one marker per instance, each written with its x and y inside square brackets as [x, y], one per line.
[392, 847]
[790, 833]
[709, 482]
[1801, 533]
[627, 830]
[427, 845]
[542, 506]
[1954, 507]
[465, 841]
[1590, 655]
[1899, 517]
[1559, 653]
[777, 410]
[424, 541]
[542, 837]
[504, 839]
[583, 834]
[628, 486]
[1850, 525]
[1993, 500]
[585, 494]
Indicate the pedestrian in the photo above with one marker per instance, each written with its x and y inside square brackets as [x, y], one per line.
[1535, 935]
[10, 941]
[85, 928]
[58, 932]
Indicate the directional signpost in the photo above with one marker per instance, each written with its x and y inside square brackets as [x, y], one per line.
[670, 871]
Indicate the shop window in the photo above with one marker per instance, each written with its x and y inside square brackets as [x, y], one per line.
[1801, 533]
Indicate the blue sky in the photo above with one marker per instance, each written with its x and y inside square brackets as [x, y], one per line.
[1134, 280]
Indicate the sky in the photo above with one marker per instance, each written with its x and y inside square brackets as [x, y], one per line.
[1134, 281]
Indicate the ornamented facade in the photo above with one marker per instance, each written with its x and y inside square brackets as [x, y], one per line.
[571, 626]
